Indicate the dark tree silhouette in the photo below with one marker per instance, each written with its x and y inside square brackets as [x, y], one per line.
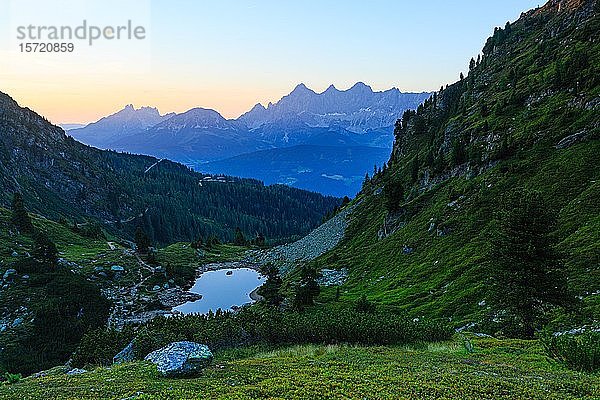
[271, 289]
[20, 217]
[44, 250]
[142, 241]
[239, 238]
[393, 193]
[528, 278]
[307, 289]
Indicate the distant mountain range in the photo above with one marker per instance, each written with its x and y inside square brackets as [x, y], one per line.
[193, 137]
[68, 127]
[333, 124]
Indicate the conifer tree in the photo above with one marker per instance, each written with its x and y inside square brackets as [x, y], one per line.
[239, 239]
[366, 182]
[270, 290]
[142, 241]
[345, 201]
[527, 274]
[20, 217]
[307, 289]
[260, 240]
[414, 174]
[44, 250]
[393, 194]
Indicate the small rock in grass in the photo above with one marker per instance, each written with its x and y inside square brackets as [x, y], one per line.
[76, 371]
[9, 273]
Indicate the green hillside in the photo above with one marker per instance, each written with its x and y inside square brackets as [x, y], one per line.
[61, 178]
[527, 117]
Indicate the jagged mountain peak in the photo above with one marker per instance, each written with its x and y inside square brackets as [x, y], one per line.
[197, 118]
[258, 107]
[331, 88]
[301, 88]
[358, 108]
[130, 109]
[360, 87]
[125, 122]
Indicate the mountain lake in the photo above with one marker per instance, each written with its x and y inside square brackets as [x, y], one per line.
[224, 289]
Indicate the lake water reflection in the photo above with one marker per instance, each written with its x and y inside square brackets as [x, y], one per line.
[222, 289]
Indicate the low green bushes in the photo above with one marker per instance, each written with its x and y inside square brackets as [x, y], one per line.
[580, 352]
[61, 308]
[98, 347]
[261, 325]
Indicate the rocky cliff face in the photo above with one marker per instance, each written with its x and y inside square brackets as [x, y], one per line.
[32, 147]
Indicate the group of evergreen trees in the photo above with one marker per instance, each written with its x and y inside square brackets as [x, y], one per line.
[275, 211]
[64, 305]
[44, 250]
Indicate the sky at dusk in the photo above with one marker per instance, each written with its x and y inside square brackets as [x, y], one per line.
[228, 55]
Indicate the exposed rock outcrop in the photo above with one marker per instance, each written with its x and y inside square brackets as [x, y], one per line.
[181, 359]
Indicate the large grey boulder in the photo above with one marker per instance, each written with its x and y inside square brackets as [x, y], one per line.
[181, 359]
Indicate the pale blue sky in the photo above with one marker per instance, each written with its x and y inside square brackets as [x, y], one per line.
[229, 55]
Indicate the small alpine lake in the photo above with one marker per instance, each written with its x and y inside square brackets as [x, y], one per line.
[222, 288]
